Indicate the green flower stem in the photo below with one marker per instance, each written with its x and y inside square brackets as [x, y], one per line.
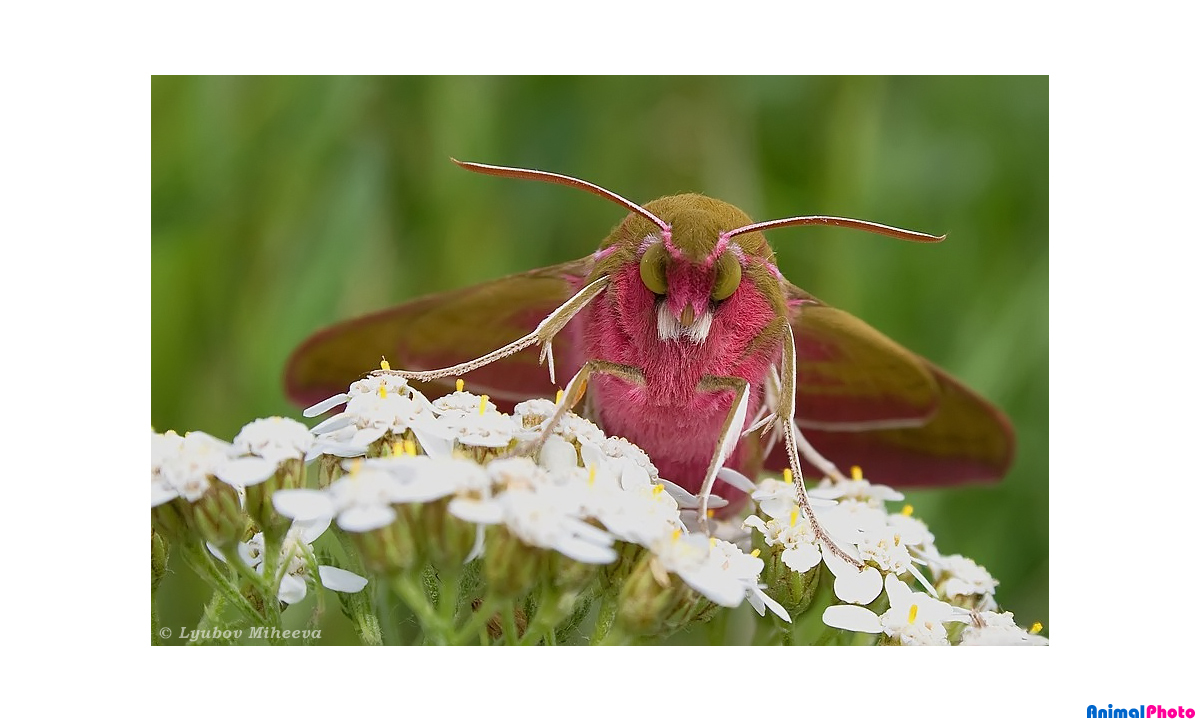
[477, 622]
[358, 606]
[606, 617]
[411, 590]
[616, 636]
[718, 628]
[209, 619]
[155, 640]
[266, 586]
[508, 621]
[202, 562]
[447, 598]
[553, 607]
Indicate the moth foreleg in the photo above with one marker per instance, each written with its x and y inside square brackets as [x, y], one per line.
[785, 414]
[575, 391]
[543, 335]
[729, 436]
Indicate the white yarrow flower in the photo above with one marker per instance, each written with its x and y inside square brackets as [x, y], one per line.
[747, 568]
[913, 618]
[958, 575]
[361, 501]
[274, 439]
[801, 548]
[185, 466]
[988, 628]
[296, 552]
[689, 556]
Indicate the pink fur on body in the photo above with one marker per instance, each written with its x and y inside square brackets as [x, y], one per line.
[674, 422]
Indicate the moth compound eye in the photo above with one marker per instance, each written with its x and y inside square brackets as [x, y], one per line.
[654, 269]
[728, 276]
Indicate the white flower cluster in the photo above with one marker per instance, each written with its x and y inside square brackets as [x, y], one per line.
[186, 466]
[392, 457]
[580, 495]
[296, 564]
[183, 468]
[890, 546]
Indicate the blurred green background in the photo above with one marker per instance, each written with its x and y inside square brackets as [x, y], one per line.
[280, 205]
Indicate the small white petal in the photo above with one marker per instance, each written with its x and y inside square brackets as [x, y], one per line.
[802, 558]
[337, 579]
[245, 471]
[587, 532]
[898, 592]
[366, 436]
[312, 530]
[859, 586]
[737, 480]
[584, 551]
[434, 444]
[591, 453]
[776, 607]
[303, 504]
[476, 511]
[292, 590]
[333, 423]
[160, 493]
[341, 450]
[317, 409]
[558, 456]
[852, 618]
[718, 587]
[363, 519]
[216, 552]
[477, 548]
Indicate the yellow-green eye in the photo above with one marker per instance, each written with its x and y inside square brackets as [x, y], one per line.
[654, 269]
[729, 275]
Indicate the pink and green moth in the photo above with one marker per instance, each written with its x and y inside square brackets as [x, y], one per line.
[686, 337]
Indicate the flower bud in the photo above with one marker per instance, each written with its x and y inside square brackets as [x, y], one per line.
[444, 539]
[173, 520]
[648, 597]
[288, 474]
[388, 550]
[218, 515]
[509, 566]
[794, 591]
[159, 551]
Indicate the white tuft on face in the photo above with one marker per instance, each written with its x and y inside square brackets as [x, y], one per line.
[669, 327]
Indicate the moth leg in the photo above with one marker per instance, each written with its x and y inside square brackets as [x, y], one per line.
[575, 391]
[543, 335]
[730, 432]
[765, 416]
[785, 414]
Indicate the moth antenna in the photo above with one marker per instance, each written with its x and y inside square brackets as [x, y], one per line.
[542, 175]
[839, 222]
